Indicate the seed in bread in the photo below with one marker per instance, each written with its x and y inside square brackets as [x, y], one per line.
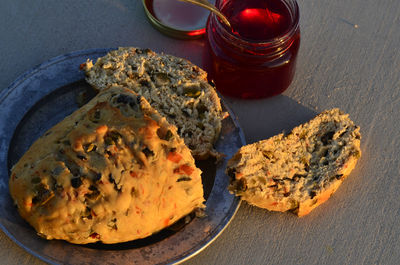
[299, 171]
[113, 171]
[175, 87]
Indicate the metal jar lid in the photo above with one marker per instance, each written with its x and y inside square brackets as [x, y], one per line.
[177, 19]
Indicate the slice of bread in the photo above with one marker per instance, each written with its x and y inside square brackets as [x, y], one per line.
[113, 171]
[299, 171]
[174, 86]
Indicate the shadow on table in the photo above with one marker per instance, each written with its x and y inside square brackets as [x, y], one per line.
[261, 119]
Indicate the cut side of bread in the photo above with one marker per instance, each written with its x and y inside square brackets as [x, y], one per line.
[299, 171]
[175, 87]
[113, 171]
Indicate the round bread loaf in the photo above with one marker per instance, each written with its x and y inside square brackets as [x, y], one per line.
[113, 171]
[175, 87]
[299, 171]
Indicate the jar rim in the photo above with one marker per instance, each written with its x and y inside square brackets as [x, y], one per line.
[272, 42]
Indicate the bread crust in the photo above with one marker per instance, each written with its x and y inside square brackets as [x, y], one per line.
[299, 171]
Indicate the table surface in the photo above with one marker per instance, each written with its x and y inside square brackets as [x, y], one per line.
[349, 58]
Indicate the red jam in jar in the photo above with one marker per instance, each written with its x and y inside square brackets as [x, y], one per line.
[256, 58]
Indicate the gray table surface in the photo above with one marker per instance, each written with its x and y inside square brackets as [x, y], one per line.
[349, 58]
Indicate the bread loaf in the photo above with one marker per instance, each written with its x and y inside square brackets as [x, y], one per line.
[176, 88]
[113, 171]
[299, 171]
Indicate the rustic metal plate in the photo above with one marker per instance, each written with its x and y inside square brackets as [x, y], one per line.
[42, 97]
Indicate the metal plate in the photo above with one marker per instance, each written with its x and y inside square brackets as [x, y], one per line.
[42, 97]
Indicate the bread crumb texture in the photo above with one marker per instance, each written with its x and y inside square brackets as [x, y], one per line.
[113, 171]
[175, 87]
[299, 171]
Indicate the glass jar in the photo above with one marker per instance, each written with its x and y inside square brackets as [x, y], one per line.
[255, 60]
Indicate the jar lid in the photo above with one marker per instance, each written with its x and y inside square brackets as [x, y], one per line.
[177, 19]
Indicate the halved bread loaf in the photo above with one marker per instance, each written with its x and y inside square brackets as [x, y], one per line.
[174, 86]
[113, 171]
[299, 171]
